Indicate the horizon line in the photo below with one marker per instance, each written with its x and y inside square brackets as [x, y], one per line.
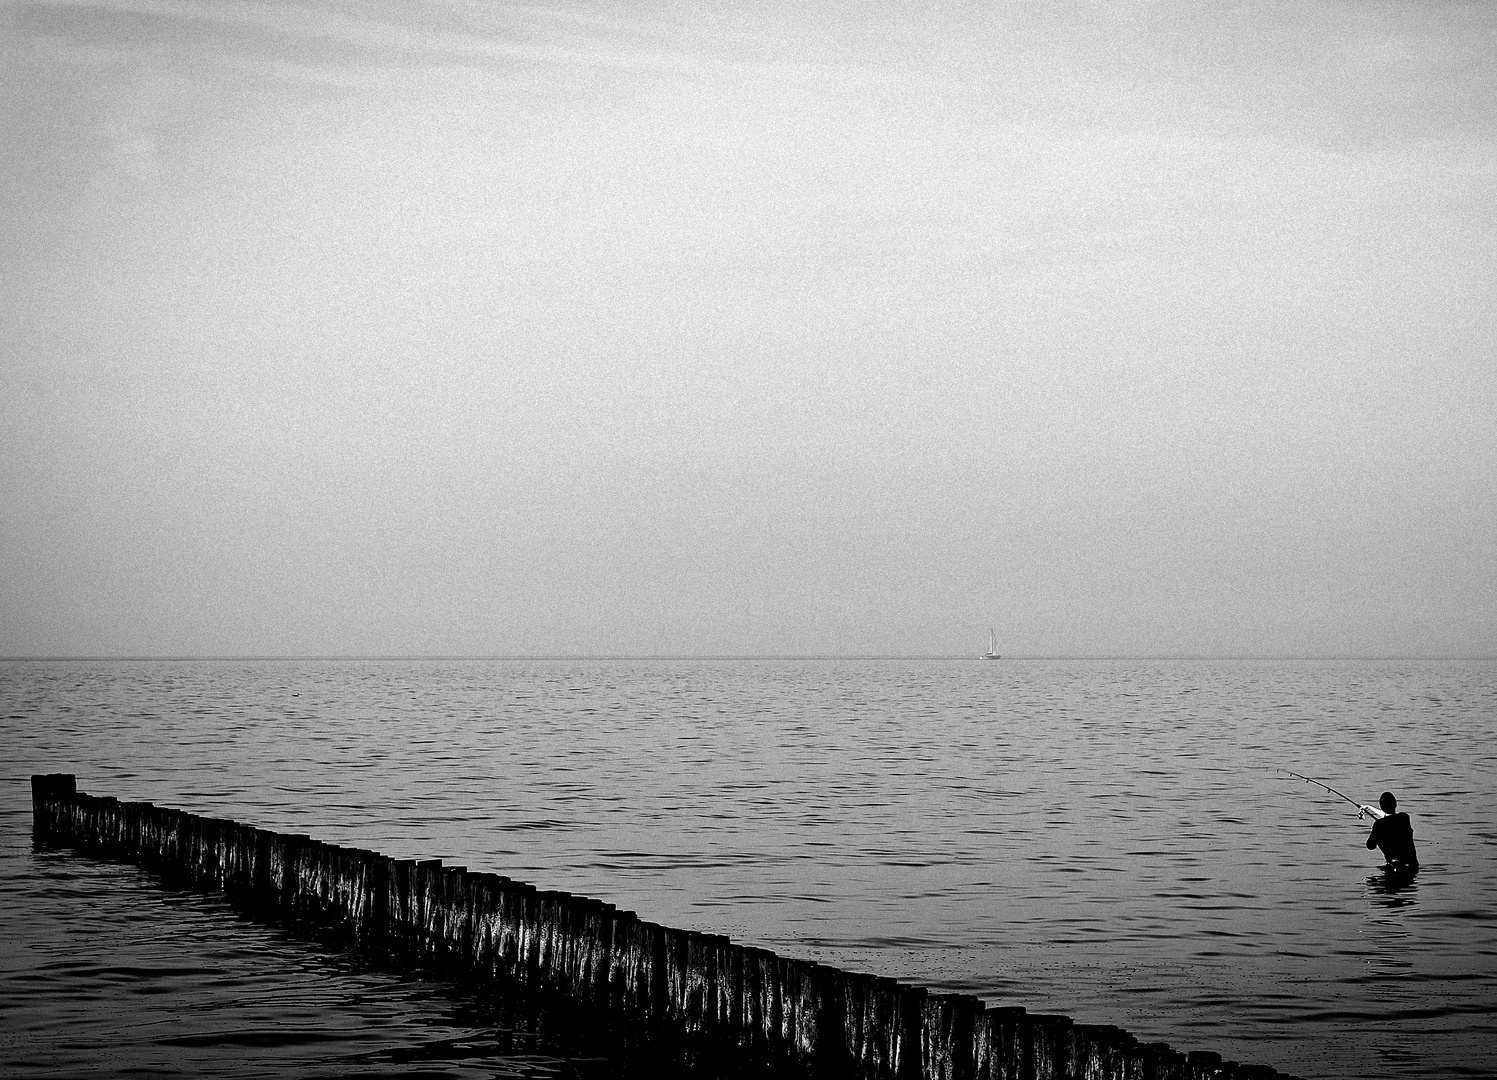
[351, 657]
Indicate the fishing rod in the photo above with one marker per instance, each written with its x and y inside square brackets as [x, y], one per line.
[1362, 808]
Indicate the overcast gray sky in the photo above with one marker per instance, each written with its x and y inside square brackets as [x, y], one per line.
[441, 327]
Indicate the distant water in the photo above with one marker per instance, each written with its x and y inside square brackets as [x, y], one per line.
[1107, 839]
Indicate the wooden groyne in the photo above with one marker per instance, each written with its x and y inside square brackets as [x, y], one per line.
[795, 1018]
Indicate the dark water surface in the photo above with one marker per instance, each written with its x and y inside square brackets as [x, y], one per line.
[1107, 839]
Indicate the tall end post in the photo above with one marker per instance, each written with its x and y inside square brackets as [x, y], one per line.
[47, 791]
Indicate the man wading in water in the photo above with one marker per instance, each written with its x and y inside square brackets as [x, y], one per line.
[1394, 835]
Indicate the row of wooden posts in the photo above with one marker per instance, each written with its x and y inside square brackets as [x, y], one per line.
[796, 1017]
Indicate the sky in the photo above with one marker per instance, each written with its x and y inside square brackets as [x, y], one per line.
[462, 327]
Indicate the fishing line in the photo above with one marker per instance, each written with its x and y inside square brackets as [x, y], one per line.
[1362, 808]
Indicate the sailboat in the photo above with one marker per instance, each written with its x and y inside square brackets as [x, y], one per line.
[992, 653]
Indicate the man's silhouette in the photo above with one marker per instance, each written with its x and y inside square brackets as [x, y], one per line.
[1394, 835]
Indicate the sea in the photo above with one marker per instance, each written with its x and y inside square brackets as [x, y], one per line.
[1116, 840]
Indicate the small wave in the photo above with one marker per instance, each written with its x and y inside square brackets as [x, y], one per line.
[542, 823]
[257, 1037]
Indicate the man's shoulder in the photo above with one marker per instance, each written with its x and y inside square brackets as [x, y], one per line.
[1398, 822]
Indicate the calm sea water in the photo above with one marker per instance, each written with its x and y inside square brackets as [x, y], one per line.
[1107, 839]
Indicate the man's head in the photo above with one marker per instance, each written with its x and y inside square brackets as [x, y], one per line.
[1388, 802]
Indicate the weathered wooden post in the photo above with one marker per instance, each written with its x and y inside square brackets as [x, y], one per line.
[1051, 1046]
[946, 1036]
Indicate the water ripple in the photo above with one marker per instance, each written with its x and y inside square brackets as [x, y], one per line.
[1108, 839]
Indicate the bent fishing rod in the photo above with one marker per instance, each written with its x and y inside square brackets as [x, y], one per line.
[1362, 808]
